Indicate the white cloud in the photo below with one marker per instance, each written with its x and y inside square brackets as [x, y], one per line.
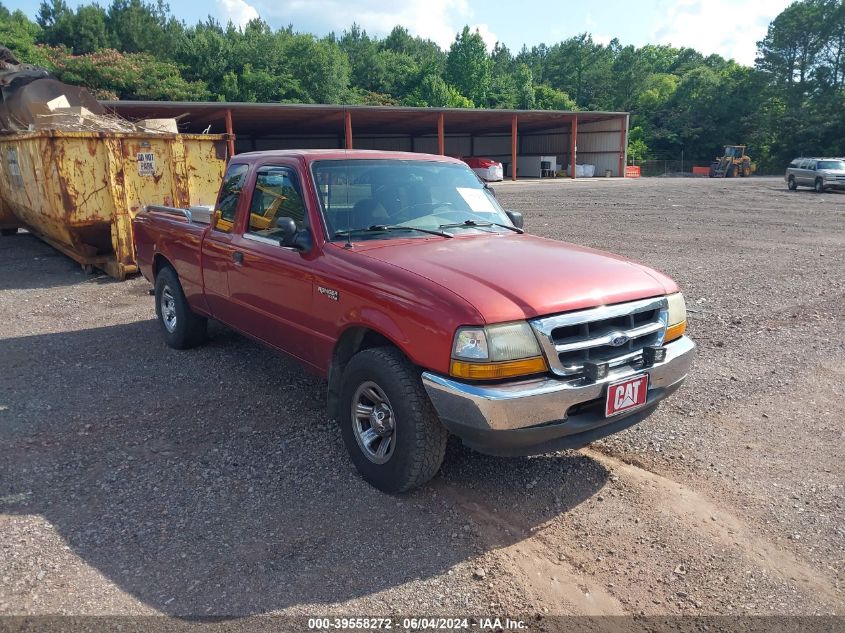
[730, 28]
[238, 11]
[437, 20]
[487, 35]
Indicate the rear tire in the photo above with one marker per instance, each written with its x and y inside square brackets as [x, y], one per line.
[403, 448]
[182, 327]
[819, 186]
[8, 232]
[791, 184]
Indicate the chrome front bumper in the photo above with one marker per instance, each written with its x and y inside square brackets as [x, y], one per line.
[527, 416]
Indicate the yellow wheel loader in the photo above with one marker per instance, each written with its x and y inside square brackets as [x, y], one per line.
[733, 163]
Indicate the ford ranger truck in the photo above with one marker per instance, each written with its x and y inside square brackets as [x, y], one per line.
[400, 279]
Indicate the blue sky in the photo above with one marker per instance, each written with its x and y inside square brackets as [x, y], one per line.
[728, 27]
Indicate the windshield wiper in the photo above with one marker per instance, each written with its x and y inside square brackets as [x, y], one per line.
[390, 228]
[474, 224]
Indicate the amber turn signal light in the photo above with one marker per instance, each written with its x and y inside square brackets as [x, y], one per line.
[675, 331]
[492, 371]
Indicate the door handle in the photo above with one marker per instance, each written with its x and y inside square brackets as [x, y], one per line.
[238, 257]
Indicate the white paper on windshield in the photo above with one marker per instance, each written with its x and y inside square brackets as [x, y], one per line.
[477, 200]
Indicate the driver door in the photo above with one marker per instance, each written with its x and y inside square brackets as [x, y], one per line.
[271, 283]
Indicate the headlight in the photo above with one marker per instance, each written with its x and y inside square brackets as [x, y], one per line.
[496, 351]
[676, 317]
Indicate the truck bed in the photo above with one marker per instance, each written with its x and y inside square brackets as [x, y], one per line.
[173, 235]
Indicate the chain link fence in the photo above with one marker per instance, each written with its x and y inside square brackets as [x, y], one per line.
[651, 168]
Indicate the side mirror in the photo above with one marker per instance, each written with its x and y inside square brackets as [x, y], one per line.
[515, 218]
[288, 229]
[302, 241]
[490, 189]
[290, 237]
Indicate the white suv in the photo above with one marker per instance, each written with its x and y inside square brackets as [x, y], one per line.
[818, 173]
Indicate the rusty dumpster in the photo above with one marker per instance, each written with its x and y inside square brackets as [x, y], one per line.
[9, 224]
[79, 191]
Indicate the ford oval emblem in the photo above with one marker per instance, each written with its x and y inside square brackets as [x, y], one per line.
[618, 339]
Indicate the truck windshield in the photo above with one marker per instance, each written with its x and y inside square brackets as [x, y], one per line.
[384, 199]
[831, 164]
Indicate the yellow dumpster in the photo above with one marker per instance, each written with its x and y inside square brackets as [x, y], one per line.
[79, 191]
[8, 222]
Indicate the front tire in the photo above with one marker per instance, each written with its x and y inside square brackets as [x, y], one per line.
[388, 424]
[791, 184]
[819, 186]
[182, 327]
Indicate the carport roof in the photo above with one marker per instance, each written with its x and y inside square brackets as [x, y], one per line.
[260, 118]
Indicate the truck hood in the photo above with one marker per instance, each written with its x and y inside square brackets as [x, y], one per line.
[512, 277]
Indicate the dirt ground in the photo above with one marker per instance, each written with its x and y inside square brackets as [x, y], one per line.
[135, 479]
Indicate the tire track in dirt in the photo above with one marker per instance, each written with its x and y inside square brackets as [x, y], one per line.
[548, 581]
[696, 513]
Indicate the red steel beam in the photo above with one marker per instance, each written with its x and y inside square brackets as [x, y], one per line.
[230, 132]
[573, 144]
[441, 135]
[513, 147]
[348, 128]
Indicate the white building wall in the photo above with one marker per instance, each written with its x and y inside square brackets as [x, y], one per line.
[599, 145]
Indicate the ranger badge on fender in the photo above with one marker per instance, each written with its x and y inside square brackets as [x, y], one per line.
[334, 295]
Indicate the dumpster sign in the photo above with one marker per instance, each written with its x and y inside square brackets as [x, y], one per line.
[146, 163]
[14, 167]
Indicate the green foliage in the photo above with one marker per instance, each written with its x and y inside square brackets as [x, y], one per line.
[526, 95]
[583, 67]
[637, 148]
[83, 31]
[19, 34]
[468, 66]
[433, 92]
[548, 98]
[137, 26]
[320, 67]
[802, 59]
[362, 52]
[111, 74]
[792, 102]
[454, 99]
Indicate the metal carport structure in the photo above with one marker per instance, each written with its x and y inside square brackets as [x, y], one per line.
[599, 138]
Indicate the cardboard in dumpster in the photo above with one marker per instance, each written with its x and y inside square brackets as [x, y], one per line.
[159, 125]
[58, 103]
[63, 118]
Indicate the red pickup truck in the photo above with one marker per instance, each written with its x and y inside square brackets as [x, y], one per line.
[428, 309]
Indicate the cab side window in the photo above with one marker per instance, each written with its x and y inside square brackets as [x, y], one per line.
[276, 195]
[230, 194]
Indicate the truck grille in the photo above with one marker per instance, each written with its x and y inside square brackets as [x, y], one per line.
[614, 334]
